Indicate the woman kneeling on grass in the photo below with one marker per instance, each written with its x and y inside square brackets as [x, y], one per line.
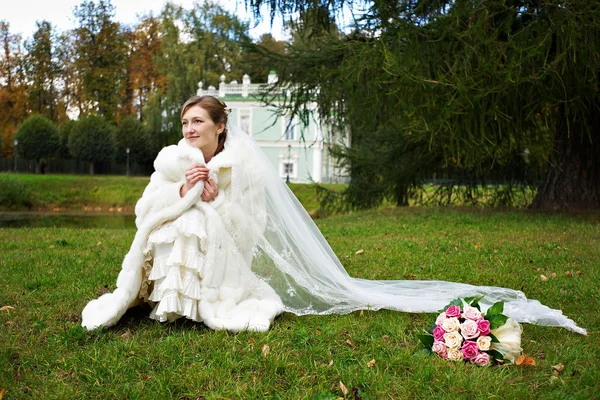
[221, 239]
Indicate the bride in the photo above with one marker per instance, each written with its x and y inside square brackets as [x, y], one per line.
[221, 239]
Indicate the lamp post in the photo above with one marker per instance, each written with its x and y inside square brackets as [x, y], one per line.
[127, 151]
[15, 142]
[287, 166]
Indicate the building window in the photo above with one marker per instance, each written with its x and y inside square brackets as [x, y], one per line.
[288, 164]
[289, 126]
[245, 121]
[288, 169]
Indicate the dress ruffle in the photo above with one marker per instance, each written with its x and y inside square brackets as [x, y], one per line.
[173, 268]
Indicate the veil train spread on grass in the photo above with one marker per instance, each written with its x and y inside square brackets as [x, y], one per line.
[292, 256]
[296, 260]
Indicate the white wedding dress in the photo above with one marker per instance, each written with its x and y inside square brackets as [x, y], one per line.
[253, 252]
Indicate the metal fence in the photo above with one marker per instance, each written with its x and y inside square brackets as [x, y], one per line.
[60, 166]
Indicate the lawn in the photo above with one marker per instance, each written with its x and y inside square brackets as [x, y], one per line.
[49, 274]
[99, 193]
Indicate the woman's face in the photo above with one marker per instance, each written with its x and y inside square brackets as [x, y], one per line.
[200, 131]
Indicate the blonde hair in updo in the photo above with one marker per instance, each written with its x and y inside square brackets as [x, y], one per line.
[217, 111]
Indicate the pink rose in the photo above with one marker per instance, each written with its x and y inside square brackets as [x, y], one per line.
[440, 319]
[440, 348]
[484, 327]
[453, 311]
[471, 313]
[482, 359]
[469, 329]
[438, 334]
[469, 350]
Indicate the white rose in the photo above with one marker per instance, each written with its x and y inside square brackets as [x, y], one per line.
[451, 324]
[453, 339]
[484, 342]
[509, 336]
[441, 318]
[455, 354]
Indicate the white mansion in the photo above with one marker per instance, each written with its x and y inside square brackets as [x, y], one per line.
[297, 161]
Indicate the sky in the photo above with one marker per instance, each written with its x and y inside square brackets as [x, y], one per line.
[22, 14]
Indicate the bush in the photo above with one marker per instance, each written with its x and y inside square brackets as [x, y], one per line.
[92, 139]
[13, 193]
[132, 134]
[64, 131]
[38, 138]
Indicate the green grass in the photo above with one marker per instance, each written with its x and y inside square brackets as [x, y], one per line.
[49, 274]
[93, 193]
[79, 192]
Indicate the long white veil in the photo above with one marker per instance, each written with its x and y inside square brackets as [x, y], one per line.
[291, 254]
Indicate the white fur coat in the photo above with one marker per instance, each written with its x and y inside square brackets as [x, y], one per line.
[232, 297]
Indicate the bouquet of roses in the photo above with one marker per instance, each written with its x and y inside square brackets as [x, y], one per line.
[463, 332]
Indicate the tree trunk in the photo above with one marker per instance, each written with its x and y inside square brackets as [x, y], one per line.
[573, 178]
[91, 168]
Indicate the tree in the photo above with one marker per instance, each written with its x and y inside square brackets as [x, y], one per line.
[38, 139]
[70, 82]
[133, 135]
[144, 44]
[196, 45]
[480, 91]
[92, 139]
[100, 57]
[42, 71]
[257, 58]
[64, 131]
[13, 89]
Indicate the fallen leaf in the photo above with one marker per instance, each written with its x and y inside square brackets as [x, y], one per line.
[559, 367]
[7, 308]
[330, 364]
[553, 275]
[361, 313]
[126, 334]
[18, 376]
[2, 391]
[147, 377]
[359, 251]
[265, 350]
[569, 274]
[579, 273]
[525, 360]
[371, 364]
[344, 389]
[477, 245]
[386, 338]
[455, 248]
[543, 278]
[349, 343]
[98, 244]
[495, 251]
[51, 246]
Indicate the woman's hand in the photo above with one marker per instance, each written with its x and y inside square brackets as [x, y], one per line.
[193, 175]
[210, 190]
